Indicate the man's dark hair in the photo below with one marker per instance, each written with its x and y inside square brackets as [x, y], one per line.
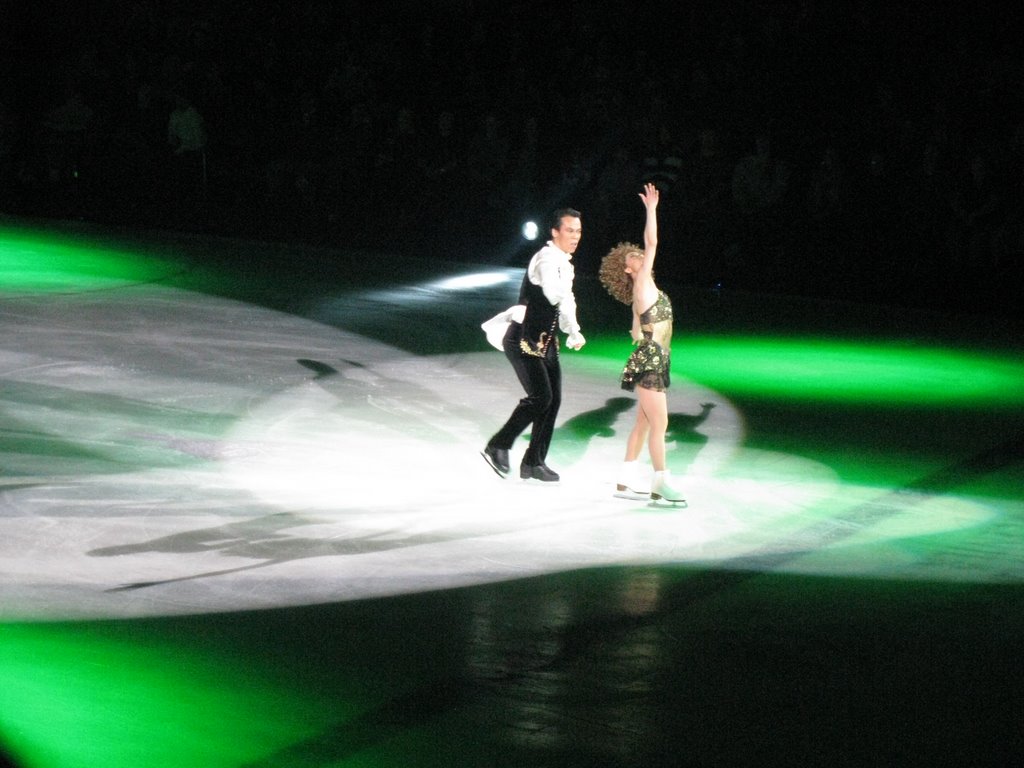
[561, 213]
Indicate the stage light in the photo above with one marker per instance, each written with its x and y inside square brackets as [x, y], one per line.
[531, 230]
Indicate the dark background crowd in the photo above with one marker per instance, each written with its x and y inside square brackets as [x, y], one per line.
[854, 149]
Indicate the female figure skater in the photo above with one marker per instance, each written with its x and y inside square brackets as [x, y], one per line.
[627, 272]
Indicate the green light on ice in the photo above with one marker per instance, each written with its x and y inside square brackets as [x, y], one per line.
[847, 371]
[50, 262]
[79, 696]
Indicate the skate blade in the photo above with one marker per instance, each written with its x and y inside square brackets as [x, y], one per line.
[658, 501]
[631, 495]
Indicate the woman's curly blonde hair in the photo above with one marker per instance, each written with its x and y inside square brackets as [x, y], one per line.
[613, 272]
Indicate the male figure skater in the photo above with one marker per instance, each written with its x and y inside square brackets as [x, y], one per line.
[528, 335]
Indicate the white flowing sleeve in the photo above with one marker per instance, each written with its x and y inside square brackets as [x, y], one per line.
[494, 329]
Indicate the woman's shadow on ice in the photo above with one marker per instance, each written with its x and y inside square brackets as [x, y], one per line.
[682, 439]
[573, 436]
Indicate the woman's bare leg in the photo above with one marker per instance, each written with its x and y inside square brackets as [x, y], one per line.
[654, 406]
[638, 435]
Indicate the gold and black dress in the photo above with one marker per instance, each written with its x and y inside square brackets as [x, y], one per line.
[648, 366]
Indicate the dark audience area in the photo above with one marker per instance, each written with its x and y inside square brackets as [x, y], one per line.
[855, 150]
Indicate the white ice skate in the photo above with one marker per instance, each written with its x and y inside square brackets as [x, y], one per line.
[662, 490]
[632, 482]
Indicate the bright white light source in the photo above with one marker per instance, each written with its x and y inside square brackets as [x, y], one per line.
[470, 282]
[530, 230]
